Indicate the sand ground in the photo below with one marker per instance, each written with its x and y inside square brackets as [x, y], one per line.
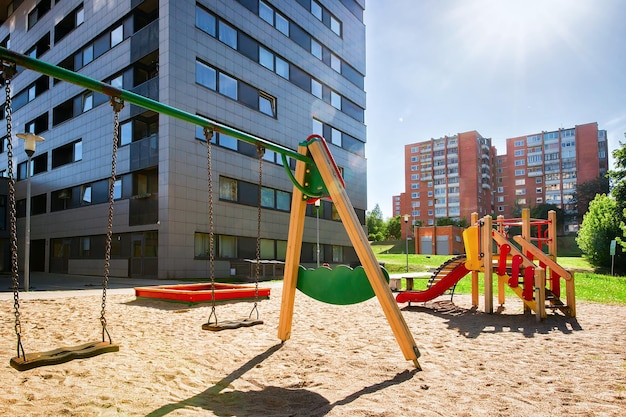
[340, 360]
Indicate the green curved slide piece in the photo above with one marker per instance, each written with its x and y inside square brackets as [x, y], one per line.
[341, 285]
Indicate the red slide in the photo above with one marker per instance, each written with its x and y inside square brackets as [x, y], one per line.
[437, 289]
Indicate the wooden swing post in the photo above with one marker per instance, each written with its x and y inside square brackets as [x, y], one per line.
[337, 192]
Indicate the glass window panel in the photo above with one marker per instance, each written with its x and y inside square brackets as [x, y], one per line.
[267, 249]
[335, 100]
[335, 25]
[283, 200]
[118, 82]
[316, 49]
[282, 24]
[335, 63]
[126, 133]
[117, 189]
[205, 75]
[86, 194]
[282, 68]
[228, 35]
[205, 21]
[87, 102]
[228, 142]
[266, 58]
[117, 35]
[228, 189]
[227, 246]
[78, 150]
[267, 197]
[80, 16]
[228, 86]
[87, 55]
[316, 88]
[318, 127]
[266, 12]
[335, 136]
[316, 9]
[202, 245]
[266, 105]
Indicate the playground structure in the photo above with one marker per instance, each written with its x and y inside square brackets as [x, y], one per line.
[316, 176]
[530, 272]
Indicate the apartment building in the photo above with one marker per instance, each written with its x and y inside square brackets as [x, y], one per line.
[448, 177]
[276, 70]
[546, 167]
[457, 175]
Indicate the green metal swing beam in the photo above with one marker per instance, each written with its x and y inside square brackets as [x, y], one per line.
[141, 101]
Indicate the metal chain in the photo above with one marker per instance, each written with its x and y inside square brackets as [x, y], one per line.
[12, 213]
[117, 104]
[260, 152]
[208, 135]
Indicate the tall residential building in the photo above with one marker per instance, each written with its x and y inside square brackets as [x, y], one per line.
[455, 176]
[546, 167]
[449, 177]
[276, 70]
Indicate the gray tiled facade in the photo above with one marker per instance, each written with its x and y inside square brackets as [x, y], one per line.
[161, 217]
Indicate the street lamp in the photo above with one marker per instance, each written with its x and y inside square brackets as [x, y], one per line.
[30, 143]
[406, 221]
[318, 202]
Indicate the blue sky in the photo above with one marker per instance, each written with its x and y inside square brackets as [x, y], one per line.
[505, 68]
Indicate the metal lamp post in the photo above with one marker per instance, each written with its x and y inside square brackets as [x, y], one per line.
[30, 143]
[318, 203]
[406, 222]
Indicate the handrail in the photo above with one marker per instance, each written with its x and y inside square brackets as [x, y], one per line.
[141, 101]
[538, 253]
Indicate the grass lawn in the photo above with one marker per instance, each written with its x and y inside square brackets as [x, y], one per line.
[590, 286]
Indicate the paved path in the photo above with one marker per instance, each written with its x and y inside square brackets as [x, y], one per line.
[47, 285]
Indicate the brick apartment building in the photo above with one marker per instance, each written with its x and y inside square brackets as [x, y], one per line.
[454, 176]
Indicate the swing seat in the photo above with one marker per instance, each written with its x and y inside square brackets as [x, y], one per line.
[341, 285]
[230, 324]
[62, 355]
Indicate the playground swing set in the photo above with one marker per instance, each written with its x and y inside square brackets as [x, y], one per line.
[316, 176]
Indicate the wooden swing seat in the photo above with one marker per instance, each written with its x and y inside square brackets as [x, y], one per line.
[230, 324]
[62, 355]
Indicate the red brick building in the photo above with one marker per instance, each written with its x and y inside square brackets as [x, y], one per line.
[454, 176]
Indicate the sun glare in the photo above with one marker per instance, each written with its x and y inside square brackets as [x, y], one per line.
[515, 30]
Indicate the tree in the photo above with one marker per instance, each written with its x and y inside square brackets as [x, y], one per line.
[375, 225]
[601, 224]
[540, 211]
[587, 191]
[618, 177]
[394, 227]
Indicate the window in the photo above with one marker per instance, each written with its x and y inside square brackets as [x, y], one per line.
[86, 194]
[335, 136]
[316, 10]
[228, 86]
[519, 152]
[520, 181]
[282, 68]
[267, 104]
[520, 172]
[202, 245]
[519, 143]
[266, 12]
[282, 24]
[85, 246]
[228, 189]
[316, 88]
[335, 25]
[205, 21]
[117, 35]
[227, 34]
[266, 58]
[335, 100]
[335, 63]
[316, 49]
[520, 162]
[206, 75]
[227, 246]
[66, 154]
[87, 101]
